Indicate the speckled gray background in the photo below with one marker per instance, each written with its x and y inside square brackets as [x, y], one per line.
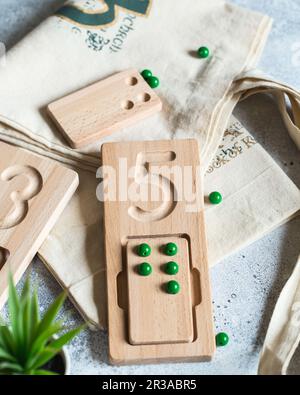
[245, 286]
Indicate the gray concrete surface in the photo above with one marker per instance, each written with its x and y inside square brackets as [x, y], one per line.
[246, 285]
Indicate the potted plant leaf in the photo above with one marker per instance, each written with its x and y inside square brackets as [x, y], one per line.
[29, 344]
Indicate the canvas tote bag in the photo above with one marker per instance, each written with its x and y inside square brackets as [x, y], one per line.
[283, 335]
[87, 41]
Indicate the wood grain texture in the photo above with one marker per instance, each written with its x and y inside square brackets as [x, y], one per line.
[33, 193]
[126, 220]
[156, 317]
[104, 108]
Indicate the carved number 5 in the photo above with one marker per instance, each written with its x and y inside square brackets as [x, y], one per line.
[167, 187]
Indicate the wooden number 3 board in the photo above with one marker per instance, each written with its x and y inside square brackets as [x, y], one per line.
[33, 193]
[159, 300]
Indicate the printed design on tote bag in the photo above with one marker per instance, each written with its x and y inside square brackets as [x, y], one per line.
[236, 142]
[107, 16]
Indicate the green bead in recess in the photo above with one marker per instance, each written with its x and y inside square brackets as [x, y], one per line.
[145, 269]
[146, 74]
[171, 249]
[153, 82]
[171, 268]
[215, 198]
[173, 287]
[222, 339]
[144, 250]
[203, 52]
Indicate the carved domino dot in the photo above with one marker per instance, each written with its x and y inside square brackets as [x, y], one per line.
[144, 97]
[127, 105]
[132, 81]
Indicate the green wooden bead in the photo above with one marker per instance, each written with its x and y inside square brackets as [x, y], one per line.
[153, 82]
[146, 74]
[171, 249]
[203, 52]
[173, 287]
[215, 198]
[222, 339]
[171, 268]
[145, 269]
[144, 250]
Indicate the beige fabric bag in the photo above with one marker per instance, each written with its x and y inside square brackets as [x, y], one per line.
[61, 56]
[283, 335]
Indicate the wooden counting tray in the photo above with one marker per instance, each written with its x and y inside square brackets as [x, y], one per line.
[156, 317]
[33, 193]
[146, 324]
[104, 107]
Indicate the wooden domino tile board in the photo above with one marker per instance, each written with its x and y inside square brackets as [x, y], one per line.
[33, 193]
[146, 324]
[104, 107]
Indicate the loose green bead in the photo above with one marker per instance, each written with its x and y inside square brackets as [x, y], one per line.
[173, 287]
[222, 339]
[144, 250]
[153, 82]
[215, 198]
[171, 249]
[146, 74]
[203, 52]
[145, 269]
[171, 268]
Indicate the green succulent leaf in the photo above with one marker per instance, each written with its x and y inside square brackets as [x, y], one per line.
[25, 295]
[7, 339]
[6, 356]
[26, 343]
[34, 315]
[41, 359]
[3, 344]
[14, 308]
[26, 318]
[20, 336]
[51, 314]
[8, 367]
[44, 338]
[2, 322]
[58, 344]
[43, 373]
